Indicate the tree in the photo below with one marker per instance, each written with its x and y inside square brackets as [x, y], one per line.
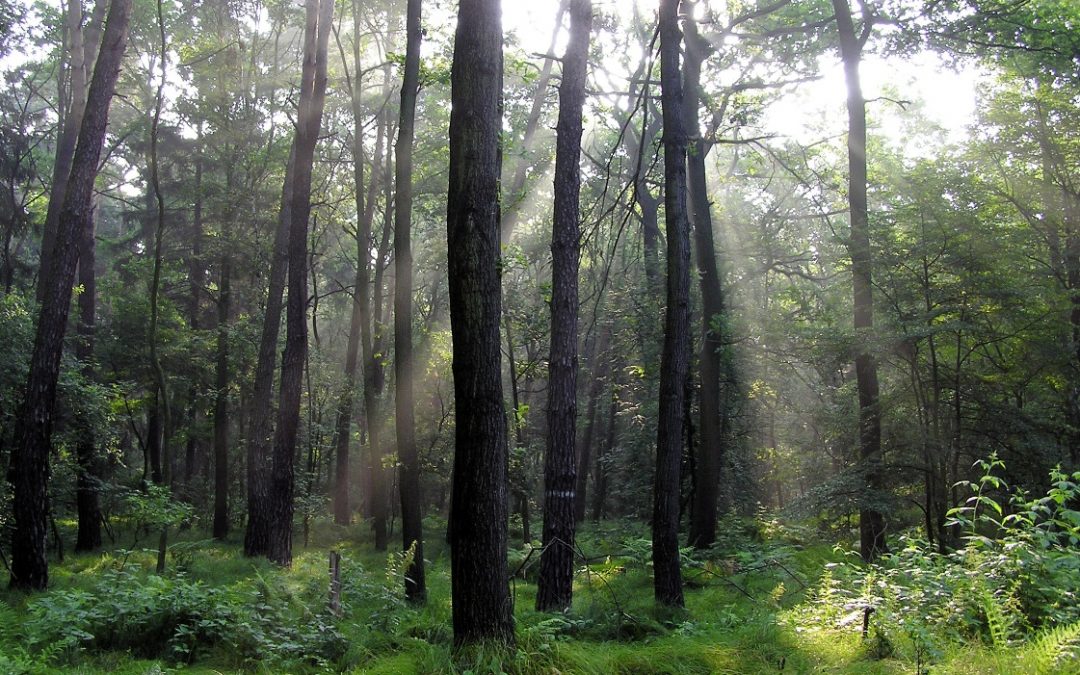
[555, 589]
[221, 393]
[711, 362]
[871, 520]
[412, 532]
[309, 117]
[257, 531]
[480, 588]
[29, 470]
[88, 479]
[675, 358]
[81, 43]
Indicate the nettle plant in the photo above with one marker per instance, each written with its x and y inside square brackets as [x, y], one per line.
[1017, 572]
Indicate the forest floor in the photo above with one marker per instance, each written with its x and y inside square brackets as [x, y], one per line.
[761, 601]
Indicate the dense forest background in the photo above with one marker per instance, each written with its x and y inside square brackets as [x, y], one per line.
[598, 298]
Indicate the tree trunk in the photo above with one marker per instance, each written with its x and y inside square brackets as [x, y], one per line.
[606, 446]
[555, 585]
[162, 402]
[518, 480]
[514, 196]
[482, 608]
[221, 402]
[196, 281]
[871, 521]
[710, 453]
[68, 135]
[375, 369]
[88, 478]
[596, 386]
[412, 532]
[29, 467]
[282, 475]
[257, 532]
[343, 426]
[675, 358]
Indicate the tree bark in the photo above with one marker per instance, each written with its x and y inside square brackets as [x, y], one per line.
[68, 136]
[343, 425]
[309, 117]
[482, 607]
[257, 532]
[162, 399]
[555, 585]
[600, 484]
[596, 386]
[675, 358]
[221, 400]
[29, 468]
[88, 478]
[711, 446]
[412, 533]
[871, 521]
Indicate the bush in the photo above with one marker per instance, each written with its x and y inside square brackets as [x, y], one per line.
[1017, 573]
[172, 617]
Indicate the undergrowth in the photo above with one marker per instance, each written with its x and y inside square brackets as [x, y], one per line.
[766, 598]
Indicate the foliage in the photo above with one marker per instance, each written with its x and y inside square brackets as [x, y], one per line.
[1016, 574]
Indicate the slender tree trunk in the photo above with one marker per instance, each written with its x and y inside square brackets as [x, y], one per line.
[162, 402]
[514, 196]
[29, 467]
[596, 386]
[871, 521]
[88, 478]
[221, 401]
[412, 532]
[675, 358]
[555, 586]
[343, 426]
[365, 213]
[482, 608]
[196, 281]
[375, 370]
[711, 449]
[282, 474]
[607, 444]
[518, 482]
[68, 135]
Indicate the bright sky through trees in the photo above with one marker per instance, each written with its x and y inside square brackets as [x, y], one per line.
[927, 86]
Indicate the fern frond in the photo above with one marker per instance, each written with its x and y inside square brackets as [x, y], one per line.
[1055, 651]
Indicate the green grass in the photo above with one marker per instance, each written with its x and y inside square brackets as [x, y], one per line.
[749, 609]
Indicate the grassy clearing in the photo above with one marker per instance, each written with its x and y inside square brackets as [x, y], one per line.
[754, 605]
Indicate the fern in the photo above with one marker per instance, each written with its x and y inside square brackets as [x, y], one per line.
[9, 625]
[1003, 615]
[1054, 652]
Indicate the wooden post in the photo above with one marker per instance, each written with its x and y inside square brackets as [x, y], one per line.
[335, 583]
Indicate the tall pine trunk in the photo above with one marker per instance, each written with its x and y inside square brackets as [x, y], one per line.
[412, 528]
[675, 358]
[555, 585]
[29, 468]
[482, 608]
